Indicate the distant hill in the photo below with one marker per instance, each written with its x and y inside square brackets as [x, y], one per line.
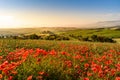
[34, 30]
[105, 24]
[111, 25]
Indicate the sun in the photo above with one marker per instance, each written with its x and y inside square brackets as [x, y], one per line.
[8, 22]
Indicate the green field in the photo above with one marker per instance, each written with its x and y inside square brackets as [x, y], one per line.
[101, 32]
[112, 32]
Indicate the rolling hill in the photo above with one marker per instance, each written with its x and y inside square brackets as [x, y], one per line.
[105, 28]
[34, 30]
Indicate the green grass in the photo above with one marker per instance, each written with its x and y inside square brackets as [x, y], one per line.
[101, 32]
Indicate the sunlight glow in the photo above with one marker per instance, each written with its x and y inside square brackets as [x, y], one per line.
[8, 21]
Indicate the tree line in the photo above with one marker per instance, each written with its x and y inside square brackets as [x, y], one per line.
[93, 38]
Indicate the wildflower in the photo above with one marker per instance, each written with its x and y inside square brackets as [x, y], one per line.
[14, 72]
[103, 57]
[38, 60]
[118, 67]
[108, 62]
[68, 63]
[1, 57]
[29, 78]
[39, 77]
[77, 67]
[94, 69]
[117, 78]
[86, 79]
[63, 53]
[52, 52]
[1, 76]
[41, 72]
[77, 57]
[89, 74]
[10, 78]
[113, 71]
[86, 65]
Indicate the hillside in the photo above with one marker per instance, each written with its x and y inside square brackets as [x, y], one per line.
[108, 32]
[106, 28]
[113, 32]
[34, 30]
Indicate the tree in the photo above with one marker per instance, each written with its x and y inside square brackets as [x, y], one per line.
[33, 36]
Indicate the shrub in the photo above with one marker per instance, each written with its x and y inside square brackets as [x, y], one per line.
[51, 37]
[33, 36]
[101, 39]
[57, 37]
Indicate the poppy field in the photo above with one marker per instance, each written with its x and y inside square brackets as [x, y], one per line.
[59, 60]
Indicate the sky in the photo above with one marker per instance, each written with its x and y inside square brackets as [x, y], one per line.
[56, 13]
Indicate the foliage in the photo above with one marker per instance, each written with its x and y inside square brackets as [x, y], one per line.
[33, 36]
[57, 37]
[101, 39]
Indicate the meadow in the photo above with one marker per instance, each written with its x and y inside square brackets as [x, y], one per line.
[59, 39]
[108, 32]
[58, 60]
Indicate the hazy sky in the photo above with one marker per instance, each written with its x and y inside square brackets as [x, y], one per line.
[40, 13]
